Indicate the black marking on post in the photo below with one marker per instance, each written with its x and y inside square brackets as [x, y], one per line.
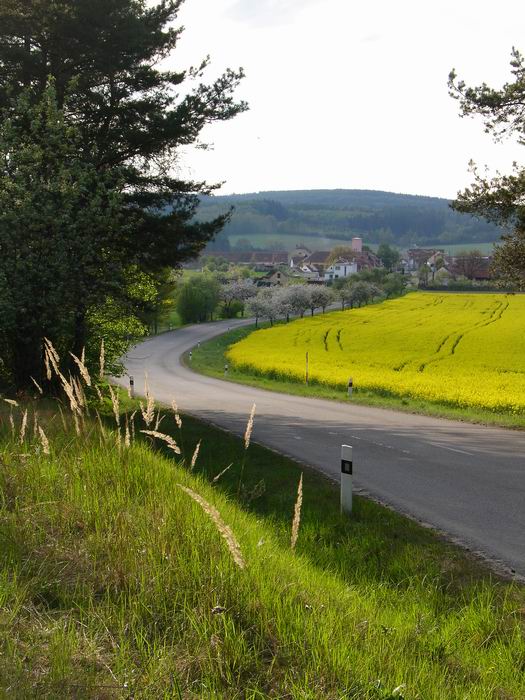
[346, 466]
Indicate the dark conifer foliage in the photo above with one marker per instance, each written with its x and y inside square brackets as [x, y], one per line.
[104, 57]
[500, 199]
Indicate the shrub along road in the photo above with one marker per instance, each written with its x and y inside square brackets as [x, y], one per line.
[464, 479]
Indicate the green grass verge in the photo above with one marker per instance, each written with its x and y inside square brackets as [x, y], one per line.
[210, 359]
[115, 584]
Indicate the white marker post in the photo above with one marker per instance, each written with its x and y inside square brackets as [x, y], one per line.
[191, 355]
[225, 369]
[346, 479]
[131, 387]
[350, 386]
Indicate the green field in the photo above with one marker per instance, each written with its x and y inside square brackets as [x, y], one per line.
[484, 248]
[466, 351]
[265, 241]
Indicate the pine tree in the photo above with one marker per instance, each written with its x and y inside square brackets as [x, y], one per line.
[501, 199]
[120, 120]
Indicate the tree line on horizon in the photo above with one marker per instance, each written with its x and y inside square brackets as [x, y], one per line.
[401, 220]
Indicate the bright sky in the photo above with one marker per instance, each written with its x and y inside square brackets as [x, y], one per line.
[347, 94]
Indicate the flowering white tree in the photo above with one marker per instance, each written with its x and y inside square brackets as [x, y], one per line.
[299, 298]
[282, 299]
[237, 290]
[266, 304]
[320, 297]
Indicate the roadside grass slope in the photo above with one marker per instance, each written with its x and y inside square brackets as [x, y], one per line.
[465, 351]
[114, 582]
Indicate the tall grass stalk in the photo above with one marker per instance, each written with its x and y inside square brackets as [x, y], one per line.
[225, 530]
[247, 439]
[297, 514]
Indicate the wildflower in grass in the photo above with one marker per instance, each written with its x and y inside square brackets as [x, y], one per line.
[224, 529]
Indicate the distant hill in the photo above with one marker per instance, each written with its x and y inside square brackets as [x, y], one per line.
[400, 219]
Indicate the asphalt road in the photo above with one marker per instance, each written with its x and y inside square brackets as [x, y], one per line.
[466, 480]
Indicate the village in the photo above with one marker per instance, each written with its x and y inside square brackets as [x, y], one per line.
[425, 266]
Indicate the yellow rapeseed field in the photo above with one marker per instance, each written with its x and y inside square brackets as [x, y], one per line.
[464, 350]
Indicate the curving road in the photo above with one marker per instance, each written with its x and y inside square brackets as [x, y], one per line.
[465, 480]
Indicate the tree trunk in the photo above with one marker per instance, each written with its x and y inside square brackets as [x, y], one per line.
[27, 362]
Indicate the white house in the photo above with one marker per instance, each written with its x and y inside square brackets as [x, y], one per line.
[340, 268]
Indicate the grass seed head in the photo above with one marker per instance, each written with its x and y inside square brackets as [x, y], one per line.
[178, 419]
[170, 442]
[44, 441]
[23, 427]
[297, 513]
[102, 359]
[195, 455]
[82, 368]
[48, 366]
[159, 419]
[115, 404]
[127, 436]
[224, 529]
[216, 478]
[249, 428]
[40, 390]
[148, 413]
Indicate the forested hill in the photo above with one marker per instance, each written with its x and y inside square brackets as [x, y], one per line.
[401, 219]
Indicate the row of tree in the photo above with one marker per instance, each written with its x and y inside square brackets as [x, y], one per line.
[202, 296]
[400, 220]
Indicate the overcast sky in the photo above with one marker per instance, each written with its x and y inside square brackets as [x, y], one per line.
[347, 94]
